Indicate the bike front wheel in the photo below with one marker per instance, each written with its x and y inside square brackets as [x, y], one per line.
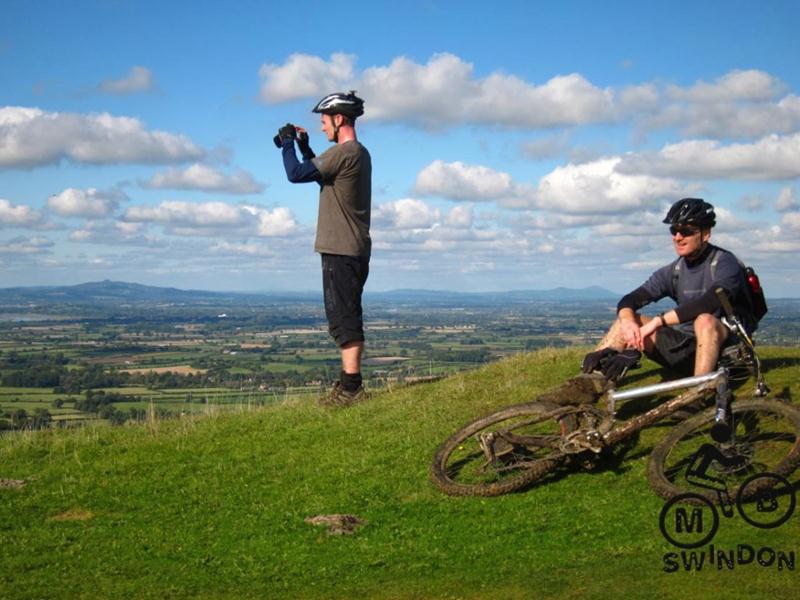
[766, 435]
[503, 451]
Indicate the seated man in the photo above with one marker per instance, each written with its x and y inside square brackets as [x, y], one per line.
[688, 338]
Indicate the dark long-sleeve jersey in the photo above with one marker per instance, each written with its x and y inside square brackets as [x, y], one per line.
[692, 286]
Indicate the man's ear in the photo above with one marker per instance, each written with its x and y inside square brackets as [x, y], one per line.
[338, 120]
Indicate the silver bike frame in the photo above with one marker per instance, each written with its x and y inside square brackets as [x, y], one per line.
[667, 386]
[718, 378]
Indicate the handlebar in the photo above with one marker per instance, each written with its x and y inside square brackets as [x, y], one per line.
[725, 302]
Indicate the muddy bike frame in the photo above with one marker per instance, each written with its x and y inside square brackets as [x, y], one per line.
[609, 431]
[697, 389]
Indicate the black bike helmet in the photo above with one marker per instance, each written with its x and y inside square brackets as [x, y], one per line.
[348, 105]
[691, 211]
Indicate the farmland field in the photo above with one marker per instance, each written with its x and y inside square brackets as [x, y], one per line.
[73, 363]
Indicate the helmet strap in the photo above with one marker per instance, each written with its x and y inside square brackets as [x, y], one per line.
[335, 129]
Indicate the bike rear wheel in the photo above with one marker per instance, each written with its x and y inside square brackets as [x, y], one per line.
[766, 433]
[523, 441]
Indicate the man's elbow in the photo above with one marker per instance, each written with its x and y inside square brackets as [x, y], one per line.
[294, 178]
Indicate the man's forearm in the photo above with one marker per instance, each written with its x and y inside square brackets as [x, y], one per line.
[296, 171]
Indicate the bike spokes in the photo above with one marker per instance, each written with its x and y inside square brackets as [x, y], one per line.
[503, 449]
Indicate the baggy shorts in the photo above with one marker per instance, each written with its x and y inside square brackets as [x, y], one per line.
[343, 279]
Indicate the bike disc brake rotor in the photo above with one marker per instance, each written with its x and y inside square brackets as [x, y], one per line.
[743, 450]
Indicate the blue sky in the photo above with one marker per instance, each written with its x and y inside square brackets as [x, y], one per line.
[525, 145]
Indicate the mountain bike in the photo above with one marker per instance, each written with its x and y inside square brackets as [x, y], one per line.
[516, 446]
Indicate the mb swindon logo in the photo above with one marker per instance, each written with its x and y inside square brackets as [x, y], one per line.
[689, 521]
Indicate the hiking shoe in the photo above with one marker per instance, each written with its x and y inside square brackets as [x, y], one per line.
[586, 388]
[338, 396]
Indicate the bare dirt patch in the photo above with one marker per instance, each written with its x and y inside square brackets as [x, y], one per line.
[12, 484]
[337, 524]
[73, 514]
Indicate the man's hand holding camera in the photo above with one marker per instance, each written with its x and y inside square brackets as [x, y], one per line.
[287, 132]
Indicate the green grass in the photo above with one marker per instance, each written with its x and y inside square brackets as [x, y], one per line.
[213, 507]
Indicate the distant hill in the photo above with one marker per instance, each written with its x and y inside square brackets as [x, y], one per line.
[118, 292]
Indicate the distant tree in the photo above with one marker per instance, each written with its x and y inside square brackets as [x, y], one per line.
[41, 418]
[19, 418]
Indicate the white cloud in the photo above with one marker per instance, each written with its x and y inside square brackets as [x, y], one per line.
[459, 181]
[206, 178]
[30, 137]
[771, 157]
[644, 98]
[791, 220]
[459, 217]
[128, 229]
[738, 105]
[207, 214]
[598, 187]
[730, 120]
[210, 218]
[90, 203]
[779, 247]
[18, 215]
[277, 222]
[563, 100]
[115, 233]
[23, 245]
[407, 213]
[243, 249]
[303, 76]
[444, 91]
[787, 200]
[751, 85]
[139, 79]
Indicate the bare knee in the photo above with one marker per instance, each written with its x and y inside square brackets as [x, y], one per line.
[704, 323]
[707, 324]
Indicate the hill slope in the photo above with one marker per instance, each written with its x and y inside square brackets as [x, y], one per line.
[215, 507]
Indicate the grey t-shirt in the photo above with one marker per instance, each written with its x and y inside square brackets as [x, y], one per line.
[345, 200]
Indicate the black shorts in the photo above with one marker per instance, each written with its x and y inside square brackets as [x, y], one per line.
[343, 279]
[676, 349]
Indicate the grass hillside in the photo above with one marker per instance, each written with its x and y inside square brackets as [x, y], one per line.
[214, 507]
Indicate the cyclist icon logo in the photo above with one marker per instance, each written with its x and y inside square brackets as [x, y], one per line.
[691, 519]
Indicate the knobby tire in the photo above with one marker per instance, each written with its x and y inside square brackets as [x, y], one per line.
[767, 431]
[447, 469]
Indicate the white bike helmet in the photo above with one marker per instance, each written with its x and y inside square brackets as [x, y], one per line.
[348, 105]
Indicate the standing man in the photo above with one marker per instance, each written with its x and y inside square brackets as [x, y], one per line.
[689, 337]
[344, 174]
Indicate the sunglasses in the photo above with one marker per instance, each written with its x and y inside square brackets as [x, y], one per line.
[683, 230]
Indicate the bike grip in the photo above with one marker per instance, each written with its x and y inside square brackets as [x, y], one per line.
[724, 301]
